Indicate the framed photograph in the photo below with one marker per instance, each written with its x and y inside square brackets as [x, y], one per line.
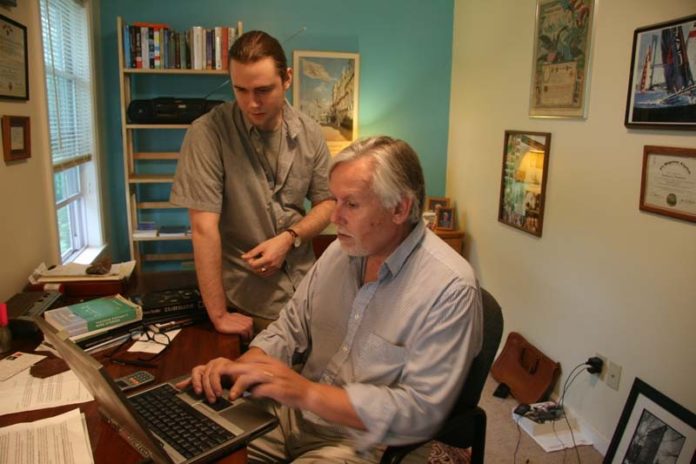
[430, 219]
[652, 428]
[444, 218]
[14, 67]
[668, 182]
[326, 88]
[16, 138]
[561, 66]
[661, 86]
[435, 203]
[523, 180]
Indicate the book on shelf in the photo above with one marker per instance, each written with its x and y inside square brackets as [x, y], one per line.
[93, 315]
[168, 231]
[157, 46]
[145, 233]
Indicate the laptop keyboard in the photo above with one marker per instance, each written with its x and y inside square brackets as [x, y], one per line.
[184, 428]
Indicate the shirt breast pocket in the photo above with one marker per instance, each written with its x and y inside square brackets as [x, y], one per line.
[378, 361]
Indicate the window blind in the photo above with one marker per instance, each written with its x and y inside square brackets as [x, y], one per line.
[65, 32]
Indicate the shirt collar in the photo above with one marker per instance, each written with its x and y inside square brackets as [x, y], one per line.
[397, 259]
[290, 118]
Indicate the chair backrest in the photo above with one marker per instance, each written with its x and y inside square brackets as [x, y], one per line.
[492, 333]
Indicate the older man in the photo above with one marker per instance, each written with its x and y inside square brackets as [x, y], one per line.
[379, 324]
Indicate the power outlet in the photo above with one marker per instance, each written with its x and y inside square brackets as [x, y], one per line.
[613, 375]
[603, 373]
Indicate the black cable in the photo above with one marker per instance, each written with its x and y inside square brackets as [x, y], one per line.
[569, 381]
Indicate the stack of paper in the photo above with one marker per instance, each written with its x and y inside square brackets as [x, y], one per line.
[78, 272]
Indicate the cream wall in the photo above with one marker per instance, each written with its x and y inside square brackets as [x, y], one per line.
[27, 225]
[605, 277]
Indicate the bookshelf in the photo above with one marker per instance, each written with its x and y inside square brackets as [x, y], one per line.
[140, 203]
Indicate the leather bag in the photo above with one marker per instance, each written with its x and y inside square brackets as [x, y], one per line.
[530, 374]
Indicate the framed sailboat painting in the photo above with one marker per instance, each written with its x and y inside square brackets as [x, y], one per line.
[662, 84]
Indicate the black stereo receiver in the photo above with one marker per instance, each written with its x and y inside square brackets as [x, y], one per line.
[167, 110]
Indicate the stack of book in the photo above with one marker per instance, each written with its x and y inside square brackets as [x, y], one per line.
[167, 305]
[173, 231]
[157, 46]
[94, 316]
[101, 323]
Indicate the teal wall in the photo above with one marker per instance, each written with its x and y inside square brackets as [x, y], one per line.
[405, 65]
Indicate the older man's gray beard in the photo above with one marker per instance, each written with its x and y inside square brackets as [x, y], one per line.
[355, 250]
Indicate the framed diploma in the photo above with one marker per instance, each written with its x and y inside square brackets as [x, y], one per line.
[668, 183]
[14, 67]
[560, 70]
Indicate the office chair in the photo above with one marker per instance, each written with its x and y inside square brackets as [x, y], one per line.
[466, 425]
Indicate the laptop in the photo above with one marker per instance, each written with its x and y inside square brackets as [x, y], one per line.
[160, 434]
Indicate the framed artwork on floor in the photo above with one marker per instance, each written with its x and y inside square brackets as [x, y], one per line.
[523, 180]
[326, 88]
[662, 79]
[652, 428]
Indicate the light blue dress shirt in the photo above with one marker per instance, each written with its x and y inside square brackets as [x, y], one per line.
[400, 346]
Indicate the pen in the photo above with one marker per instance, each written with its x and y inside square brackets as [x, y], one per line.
[132, 362]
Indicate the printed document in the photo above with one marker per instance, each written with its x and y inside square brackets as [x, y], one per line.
[23, 392]
[62, 439]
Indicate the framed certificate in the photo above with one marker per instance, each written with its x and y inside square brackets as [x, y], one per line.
[561, 66]
[668, 183]
[14, 67]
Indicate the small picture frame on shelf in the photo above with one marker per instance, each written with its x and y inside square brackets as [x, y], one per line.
[435, 203]
[430, 219]
[445, 218]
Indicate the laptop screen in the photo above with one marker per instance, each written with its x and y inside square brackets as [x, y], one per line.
[112, 402]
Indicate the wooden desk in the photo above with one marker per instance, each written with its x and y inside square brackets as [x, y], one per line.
[194, 345]
[454, 238]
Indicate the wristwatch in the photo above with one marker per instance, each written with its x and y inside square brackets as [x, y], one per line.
[297, 241]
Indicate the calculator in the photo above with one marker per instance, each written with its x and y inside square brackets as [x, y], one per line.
[134, 380]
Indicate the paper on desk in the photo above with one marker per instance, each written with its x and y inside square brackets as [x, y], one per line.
[26, 393]
[553, 436]
[61, 439]
[143, 345]
[74, 271]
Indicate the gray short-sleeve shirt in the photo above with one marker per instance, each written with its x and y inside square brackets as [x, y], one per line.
[220, 171]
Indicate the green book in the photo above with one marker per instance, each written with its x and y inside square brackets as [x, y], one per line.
[102, 313]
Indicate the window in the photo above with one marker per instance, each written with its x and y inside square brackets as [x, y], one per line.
[65, 28]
